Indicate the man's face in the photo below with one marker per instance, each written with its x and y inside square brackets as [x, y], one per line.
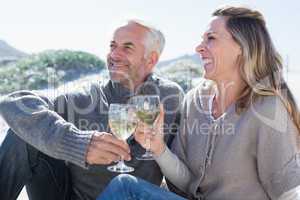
[126, 60]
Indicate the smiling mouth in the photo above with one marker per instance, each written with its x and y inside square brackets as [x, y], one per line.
[206, 61]
[117, 64]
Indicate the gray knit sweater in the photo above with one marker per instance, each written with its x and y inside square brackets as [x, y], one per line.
[253, 155]
[62, 128]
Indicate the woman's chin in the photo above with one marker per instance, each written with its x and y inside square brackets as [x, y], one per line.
[209, 69]
[208, 75]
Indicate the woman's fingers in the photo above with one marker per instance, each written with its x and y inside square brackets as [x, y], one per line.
[159, 122]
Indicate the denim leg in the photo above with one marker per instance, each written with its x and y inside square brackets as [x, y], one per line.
[14, 167]
[129, 187]
[21, 164]
[50, 179]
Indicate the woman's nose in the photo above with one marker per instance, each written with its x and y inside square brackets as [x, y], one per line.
[200, 48]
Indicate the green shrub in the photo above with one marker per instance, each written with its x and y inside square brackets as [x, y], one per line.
[49, 68]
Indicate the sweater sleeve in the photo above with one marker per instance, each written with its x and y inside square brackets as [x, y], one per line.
[32, 118]
[174, 169]
[178, 174]
[278, 158]
[293, 194]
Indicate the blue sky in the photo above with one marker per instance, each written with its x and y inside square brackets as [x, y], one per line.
[36, 25]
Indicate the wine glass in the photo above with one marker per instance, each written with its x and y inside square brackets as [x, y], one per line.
[122, 121]
[147, 110]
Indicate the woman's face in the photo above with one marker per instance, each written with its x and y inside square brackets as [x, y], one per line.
[219, 52]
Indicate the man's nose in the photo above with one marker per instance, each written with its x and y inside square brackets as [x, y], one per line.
[116, 53]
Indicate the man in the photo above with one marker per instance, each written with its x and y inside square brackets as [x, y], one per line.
[60, 149]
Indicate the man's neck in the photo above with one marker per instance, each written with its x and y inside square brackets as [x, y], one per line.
[134, 85]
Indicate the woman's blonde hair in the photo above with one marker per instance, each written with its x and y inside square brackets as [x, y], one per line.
[260, 63]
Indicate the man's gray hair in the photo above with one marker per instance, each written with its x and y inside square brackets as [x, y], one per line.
[154, 40]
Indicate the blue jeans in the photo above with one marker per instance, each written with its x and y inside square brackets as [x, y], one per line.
[21, 164]
[128, 187]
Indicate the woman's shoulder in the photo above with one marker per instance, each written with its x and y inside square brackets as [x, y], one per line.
[271, 111]
[269, 105]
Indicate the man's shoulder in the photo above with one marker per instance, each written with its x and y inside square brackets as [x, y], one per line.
[169, 85]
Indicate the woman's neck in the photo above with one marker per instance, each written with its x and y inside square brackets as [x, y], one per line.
[227, 94]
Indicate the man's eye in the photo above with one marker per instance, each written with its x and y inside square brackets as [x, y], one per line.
[127, 48]
[112, 46]
[210, 38]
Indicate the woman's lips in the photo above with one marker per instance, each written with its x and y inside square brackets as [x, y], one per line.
[207, 63]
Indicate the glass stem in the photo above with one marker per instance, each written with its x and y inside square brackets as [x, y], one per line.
[121, 163]
[148, 143]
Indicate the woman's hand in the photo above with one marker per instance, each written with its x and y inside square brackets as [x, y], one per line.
[143, 132]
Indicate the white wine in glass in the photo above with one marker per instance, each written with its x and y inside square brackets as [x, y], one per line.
[122, 122]
[147, 110]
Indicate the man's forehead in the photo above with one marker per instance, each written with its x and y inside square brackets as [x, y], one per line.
[129, 32]
[134, 26]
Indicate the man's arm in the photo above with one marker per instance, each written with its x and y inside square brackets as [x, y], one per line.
[32, 118]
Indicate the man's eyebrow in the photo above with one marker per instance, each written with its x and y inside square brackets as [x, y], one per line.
[129, 44]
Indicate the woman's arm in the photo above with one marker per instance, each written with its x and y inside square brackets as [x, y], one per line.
[174, 169]
[293, 194]
[278, 157]
[171, 165]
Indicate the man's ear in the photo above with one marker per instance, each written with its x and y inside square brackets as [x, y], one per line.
[152, 59]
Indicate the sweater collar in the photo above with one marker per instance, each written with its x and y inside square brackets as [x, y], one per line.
[117, 93]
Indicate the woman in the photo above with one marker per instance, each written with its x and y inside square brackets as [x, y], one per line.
[239, 134]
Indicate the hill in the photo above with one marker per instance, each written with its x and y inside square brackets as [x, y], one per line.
[9, 54]
[185, 70]
[193, 58]
[54, 67]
